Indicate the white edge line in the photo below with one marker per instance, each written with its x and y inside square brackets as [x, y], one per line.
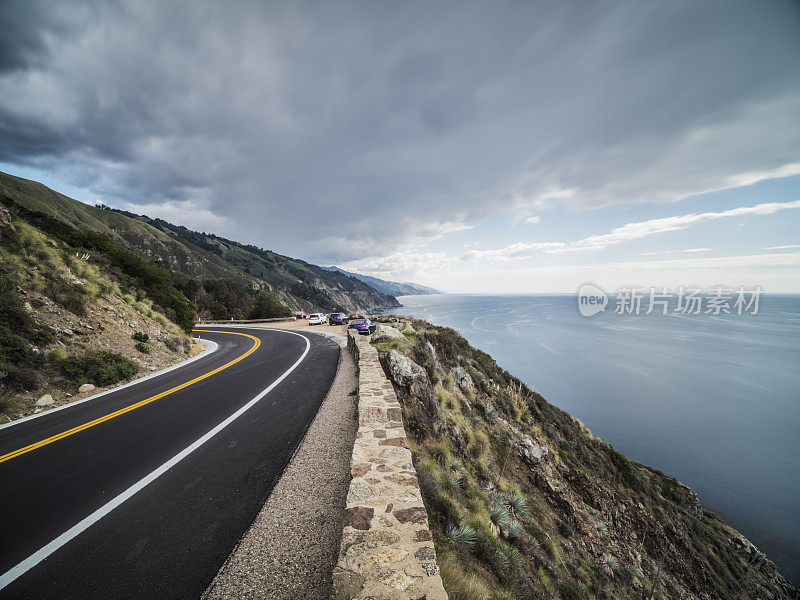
[212, 347]
[38, 556]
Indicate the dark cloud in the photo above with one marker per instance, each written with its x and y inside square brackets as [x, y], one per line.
[399, 118]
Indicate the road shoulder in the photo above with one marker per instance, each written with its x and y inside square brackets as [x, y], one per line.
[291, 547]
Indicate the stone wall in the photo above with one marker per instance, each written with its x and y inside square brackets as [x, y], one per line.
[387, 550]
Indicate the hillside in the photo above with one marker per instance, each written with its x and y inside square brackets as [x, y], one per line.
[68, 327]
[525, 502]
[392, 288]
[212, 260]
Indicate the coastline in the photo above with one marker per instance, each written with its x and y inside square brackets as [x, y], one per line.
[516, 360]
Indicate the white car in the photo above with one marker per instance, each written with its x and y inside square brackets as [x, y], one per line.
[317, 319]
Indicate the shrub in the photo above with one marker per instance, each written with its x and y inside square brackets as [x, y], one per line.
[143, 347]
[175, 344]
[140, 336]
[9, 403]
[462, 534]
[99, 367]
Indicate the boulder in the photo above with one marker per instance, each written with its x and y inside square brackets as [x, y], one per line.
[409, 328]
[86, 387]
[402, 370]
[532, 453]
[45, 400]
[462, 378]
[384, 333]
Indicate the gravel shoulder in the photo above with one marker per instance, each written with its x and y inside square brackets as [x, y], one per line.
[292, 546]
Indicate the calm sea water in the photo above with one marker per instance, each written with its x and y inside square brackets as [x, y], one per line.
[711, 400]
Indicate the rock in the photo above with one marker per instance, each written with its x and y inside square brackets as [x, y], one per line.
[462, 378]
[358, 517]
[430, 350]
[68, 332]
[409, 328]
[384, 333]
[5, 217]
[28, 307]
[402, 370]
[86, 387]
[45, 400]
[415, 514]
[532, 453]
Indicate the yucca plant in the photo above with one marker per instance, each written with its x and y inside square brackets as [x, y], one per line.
[601, 527]
[533, 543]
[462, 534]
[515, 503]
[581, 587]
[448, 482]
[515, 559]
[500, 560]
[456, 465]
[498, 518]
[608, 564]
[514, 530]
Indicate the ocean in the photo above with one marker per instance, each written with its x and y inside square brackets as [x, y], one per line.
[712, 400]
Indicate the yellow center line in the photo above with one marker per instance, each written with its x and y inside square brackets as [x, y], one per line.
[122, 411]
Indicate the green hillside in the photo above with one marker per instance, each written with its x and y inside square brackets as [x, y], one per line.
[205, 258]
[525, 502]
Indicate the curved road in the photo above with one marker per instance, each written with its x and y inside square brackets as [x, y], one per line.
[144, 491]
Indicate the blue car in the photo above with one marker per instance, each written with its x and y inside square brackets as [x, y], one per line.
[363, 326]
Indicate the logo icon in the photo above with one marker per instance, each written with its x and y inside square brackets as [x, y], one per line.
[592, 299]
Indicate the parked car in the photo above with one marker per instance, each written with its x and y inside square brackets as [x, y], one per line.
[337, 319]
[363, 326]
[317, 319]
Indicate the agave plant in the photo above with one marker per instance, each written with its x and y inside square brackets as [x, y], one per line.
[462, 534]
[498, 518]
[456, 465]
[515, 503]
[601, 527]
[514, 530]
[608, 564]
[491, 412]
[500, 560]
[515, 559]
[581, 587]
[533, 543]
[448, 482]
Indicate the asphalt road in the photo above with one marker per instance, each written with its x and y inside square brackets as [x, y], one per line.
[150, 501]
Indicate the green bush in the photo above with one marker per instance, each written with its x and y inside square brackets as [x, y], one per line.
[143, 347]
[99, 367]
[267, 306]
[140, 336]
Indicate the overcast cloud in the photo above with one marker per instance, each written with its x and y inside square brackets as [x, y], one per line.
[404, 121]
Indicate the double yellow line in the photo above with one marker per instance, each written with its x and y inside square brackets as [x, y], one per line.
[122, 411]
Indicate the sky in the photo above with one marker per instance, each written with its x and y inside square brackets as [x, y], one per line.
[505, 147]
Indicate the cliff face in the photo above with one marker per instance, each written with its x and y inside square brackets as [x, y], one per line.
[296, 283]
[525, 503]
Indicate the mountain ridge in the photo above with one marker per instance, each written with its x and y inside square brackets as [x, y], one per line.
[392, 288]
[298, 284]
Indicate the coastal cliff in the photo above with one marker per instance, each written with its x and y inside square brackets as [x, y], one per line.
[524, 502]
